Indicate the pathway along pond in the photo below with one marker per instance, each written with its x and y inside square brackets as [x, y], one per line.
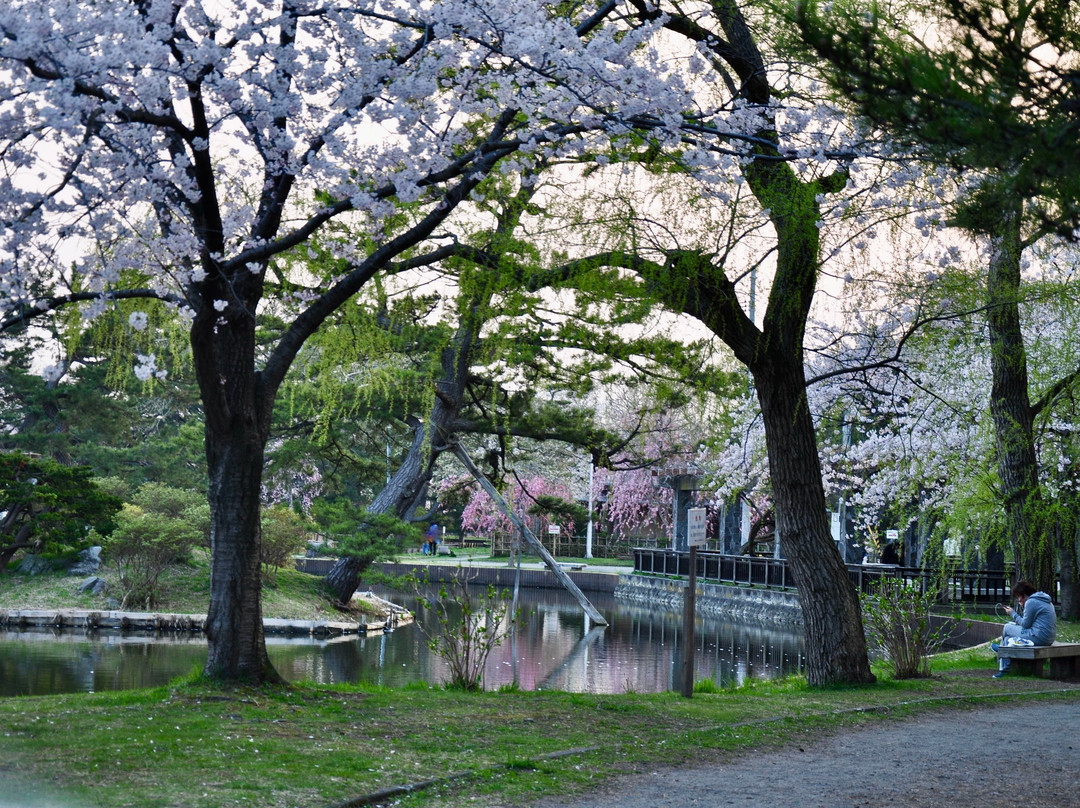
[554, 648]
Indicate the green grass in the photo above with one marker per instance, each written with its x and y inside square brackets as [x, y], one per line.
[185, 590]
[196, 745]
[193, 745]
[483, 554]
[199, 746]
[600, 562]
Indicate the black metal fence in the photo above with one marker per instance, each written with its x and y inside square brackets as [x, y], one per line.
[967, 586]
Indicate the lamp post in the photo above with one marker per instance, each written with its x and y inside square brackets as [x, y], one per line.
[687, 533]
[388, 455]
[588, 528]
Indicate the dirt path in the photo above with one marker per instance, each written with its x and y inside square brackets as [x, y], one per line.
[998, 756]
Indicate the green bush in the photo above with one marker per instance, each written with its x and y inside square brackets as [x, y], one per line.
[466, 628]
[142, 547]
[176, 503]
[284, 534]
[897, 616]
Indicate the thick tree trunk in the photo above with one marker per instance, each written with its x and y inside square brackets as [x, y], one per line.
[344, 577]
[1013, 415]
[399, 497]
[1067, 535]
[237, 426]
[403, 493]
[836, 649]
[21, 540]
[234, 626]
[833, 628]
[409, 482]
[835, 641]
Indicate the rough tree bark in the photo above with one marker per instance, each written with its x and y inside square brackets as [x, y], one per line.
[1067, 536]
[238, 416]
[20, 541]
[406, 489]
[1013, 414]
[835, 641]
[830, 606]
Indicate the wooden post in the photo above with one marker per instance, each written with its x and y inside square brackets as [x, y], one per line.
[530, 537]
[689, 605]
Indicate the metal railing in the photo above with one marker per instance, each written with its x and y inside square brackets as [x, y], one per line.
[712, 566]
[968, 586]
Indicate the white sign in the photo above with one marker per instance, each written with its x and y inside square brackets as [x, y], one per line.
[553, 530]
[695, 527]
[892, 535]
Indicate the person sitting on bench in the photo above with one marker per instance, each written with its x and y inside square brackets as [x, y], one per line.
[1035, 620]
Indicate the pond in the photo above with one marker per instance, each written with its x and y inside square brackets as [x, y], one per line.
[554, 647]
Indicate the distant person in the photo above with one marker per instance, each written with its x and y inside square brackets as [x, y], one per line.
[433, 538]
[1035, 620]
[890, 554]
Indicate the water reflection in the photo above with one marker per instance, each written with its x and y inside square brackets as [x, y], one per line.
[554, 647]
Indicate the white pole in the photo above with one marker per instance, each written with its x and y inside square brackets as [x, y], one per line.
[588, 529]
[528, 535]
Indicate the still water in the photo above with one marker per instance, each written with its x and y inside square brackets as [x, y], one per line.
[554, 647]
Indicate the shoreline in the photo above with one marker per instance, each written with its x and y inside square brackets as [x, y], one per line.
[93, 619]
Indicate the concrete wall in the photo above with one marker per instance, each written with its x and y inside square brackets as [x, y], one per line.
[767, 606]
[742, 602]
[760, 605]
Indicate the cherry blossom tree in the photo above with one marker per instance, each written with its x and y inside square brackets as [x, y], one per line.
[993, 94]
[924, 452]
[633, 500]
[482, 517]
[176, 149]
[798, 156]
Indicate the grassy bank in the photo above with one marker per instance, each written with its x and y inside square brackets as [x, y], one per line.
[193, 745]
[185, 590]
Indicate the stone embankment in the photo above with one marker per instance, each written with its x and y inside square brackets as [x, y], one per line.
[88, 619]
[746, 603]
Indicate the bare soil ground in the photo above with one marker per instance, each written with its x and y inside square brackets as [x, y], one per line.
[994, 756]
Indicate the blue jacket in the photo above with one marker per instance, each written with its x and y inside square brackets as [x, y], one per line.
[1038, 623]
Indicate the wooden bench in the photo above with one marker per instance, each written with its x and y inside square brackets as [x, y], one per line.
[1064, 659]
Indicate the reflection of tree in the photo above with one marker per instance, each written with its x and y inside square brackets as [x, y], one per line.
[635, 653]
[35, 662]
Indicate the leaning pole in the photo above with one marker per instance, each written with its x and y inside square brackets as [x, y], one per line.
[530, 537]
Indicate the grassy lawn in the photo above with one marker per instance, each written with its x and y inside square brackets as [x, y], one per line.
[185, 590]
[192, 744]
[186, 587]
[196, 745]
[483, 554]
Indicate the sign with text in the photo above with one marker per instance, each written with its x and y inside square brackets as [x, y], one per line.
[554, 530]
[695, 527]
